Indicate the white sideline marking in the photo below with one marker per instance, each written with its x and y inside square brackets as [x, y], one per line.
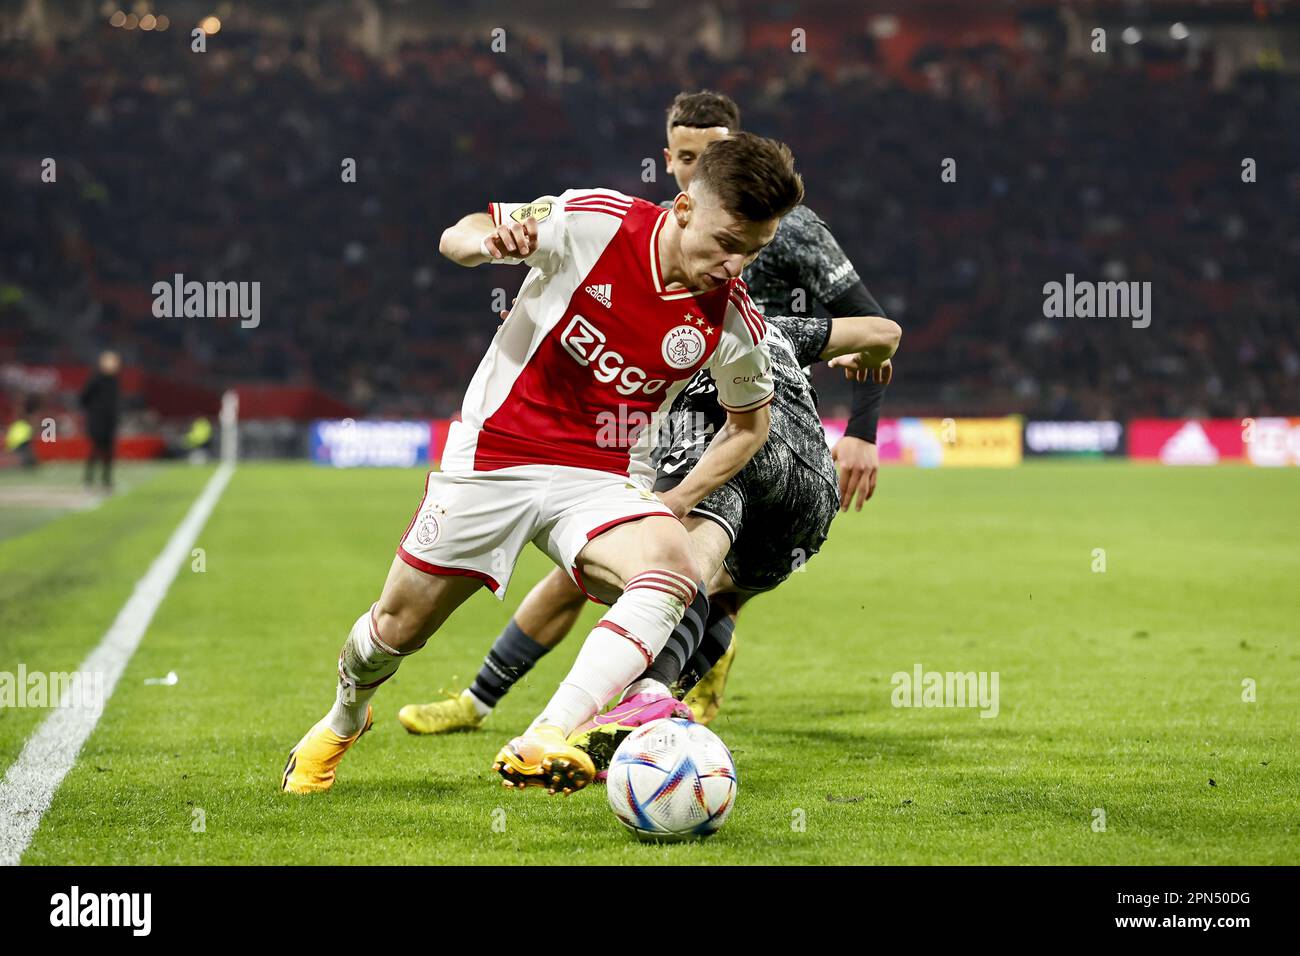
[29, 785]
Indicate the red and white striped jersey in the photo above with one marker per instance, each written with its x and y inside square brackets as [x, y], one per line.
[595, 346]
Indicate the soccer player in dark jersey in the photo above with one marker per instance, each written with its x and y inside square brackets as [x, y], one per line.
[802, 256]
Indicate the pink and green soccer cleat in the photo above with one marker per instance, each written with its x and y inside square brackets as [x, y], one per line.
[599, 737]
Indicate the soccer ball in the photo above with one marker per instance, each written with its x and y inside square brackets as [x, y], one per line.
[672, 780]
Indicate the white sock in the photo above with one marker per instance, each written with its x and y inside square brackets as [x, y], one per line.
[604, 665]
[482, 708]
[647, 685]
[364, 663]
[620, 647]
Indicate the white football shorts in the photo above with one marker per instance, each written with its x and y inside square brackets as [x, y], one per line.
[477, 523]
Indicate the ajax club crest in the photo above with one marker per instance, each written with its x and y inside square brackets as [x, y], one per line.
[427, 529]
[683, 346]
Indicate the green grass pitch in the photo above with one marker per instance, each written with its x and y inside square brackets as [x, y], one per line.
[1120, 692]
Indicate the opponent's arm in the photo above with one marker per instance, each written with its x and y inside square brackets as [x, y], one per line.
[731, 448]
[868, 391]
[824, 268]
[860, 343]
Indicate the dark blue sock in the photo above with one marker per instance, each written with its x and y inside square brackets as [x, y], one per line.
[717, 638]
[513, 655]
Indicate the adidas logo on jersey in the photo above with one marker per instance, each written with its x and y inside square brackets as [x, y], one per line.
[602, 293]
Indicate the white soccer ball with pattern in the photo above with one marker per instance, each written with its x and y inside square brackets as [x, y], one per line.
[672, 779]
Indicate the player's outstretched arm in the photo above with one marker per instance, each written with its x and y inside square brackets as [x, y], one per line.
[735, 443]
[862, 343]
[475, 240]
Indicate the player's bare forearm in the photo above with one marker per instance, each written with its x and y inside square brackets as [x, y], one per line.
[476, 240]
[735, 443]
[863, 345]
[872, 337]
[462, 243]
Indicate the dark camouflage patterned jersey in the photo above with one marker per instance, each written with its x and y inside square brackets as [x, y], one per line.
[803, 255]
[778, 509]
[695, 416]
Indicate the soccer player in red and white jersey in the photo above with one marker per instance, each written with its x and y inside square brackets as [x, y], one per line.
[802, 255]
[623, 303]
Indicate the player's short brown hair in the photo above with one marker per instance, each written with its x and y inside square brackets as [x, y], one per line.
[752, 176]
[704, 110]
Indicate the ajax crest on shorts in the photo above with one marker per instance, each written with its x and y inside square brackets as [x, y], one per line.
[427, 529]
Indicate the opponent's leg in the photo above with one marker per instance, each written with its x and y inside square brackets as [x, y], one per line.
[546, 615]
[551, 609]
[412, 606]
[788, 514]
[704, 680]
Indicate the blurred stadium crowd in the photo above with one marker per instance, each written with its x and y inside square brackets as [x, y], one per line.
[226, 166]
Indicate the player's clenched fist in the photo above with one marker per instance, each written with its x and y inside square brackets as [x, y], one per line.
[515, 239]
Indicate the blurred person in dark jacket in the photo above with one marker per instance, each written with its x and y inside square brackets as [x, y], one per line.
[99, 399]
